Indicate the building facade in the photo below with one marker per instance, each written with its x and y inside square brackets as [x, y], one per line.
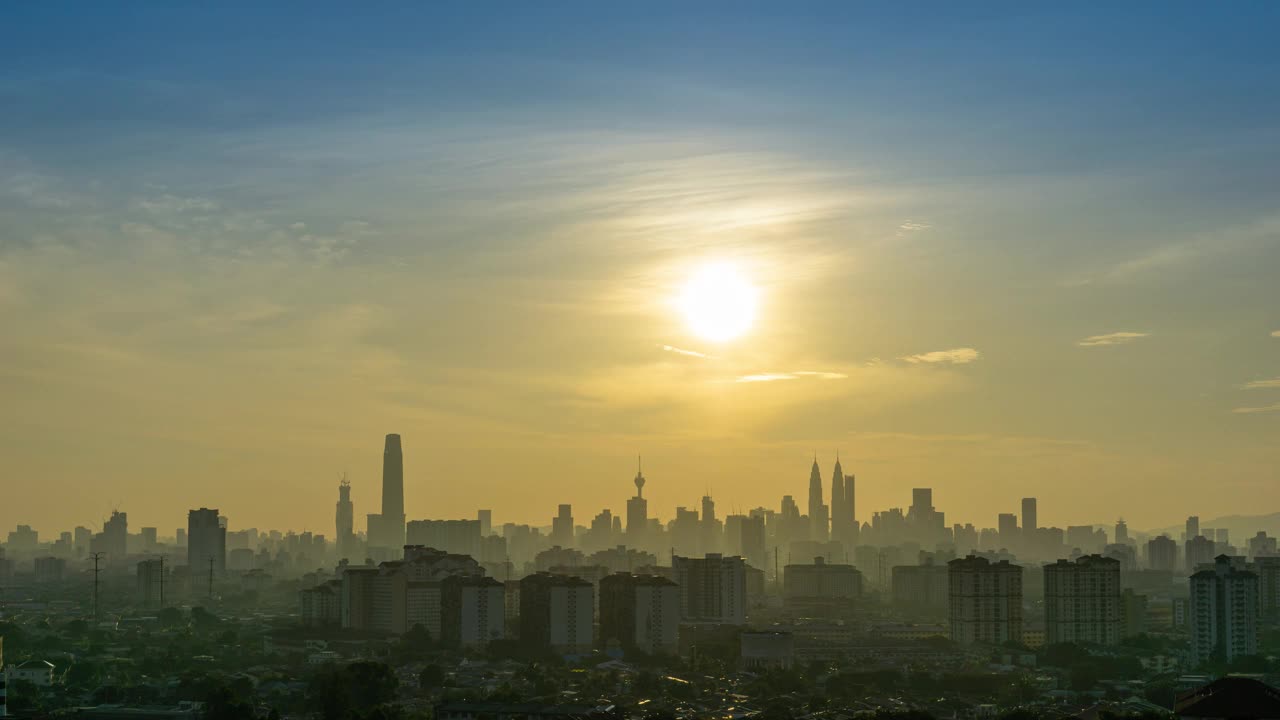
[985, 601]
[1082, 601]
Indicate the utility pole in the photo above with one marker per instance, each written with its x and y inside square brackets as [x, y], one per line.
[162, 581]
[210, 577]
[96, 557]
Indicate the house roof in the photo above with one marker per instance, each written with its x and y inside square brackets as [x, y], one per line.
[1230, 697]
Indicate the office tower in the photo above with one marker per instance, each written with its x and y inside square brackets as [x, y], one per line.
[206, 540]
[921, 587]
[1200, 551]
[985, 601]
[1221, 536]
[486, 522]
[180, 537]
[1162, 553]
[713, 589]
[557, 613]
[753, 544]
[461, 537]
[1029, 519]
[1193, 528]
[710, 535]
[818, 529]
[1224, 612]
[1082, 601]
[114, 538]
[1007, 524]
[562, 527]
[149, 539]
[82, 536]
[1122, 532]
[50, 569]
[838, 519]
[1261, 546]
[345, 521]
[387, 529]
[851, 514]
[640, 612]
[820, 589]
[637, 510]
[473, 611]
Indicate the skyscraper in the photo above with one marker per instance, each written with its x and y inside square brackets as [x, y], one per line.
[562, 527]
[838, 519]
[386, 530]
[1162, 553]
[1028, 518]
[853, 507]
[206, 540]
[818, 529]
[345, 520]
[1193, 528]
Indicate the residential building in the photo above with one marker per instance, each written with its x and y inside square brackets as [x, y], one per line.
[640, 612]
[985, 601]
[1224, 612]
[1082, 601]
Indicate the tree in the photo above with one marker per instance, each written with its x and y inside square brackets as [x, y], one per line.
[431, 677]
[336, 692]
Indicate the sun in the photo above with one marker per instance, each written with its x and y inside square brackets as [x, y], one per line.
[718, 302]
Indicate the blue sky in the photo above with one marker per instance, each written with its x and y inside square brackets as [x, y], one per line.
[463, 223]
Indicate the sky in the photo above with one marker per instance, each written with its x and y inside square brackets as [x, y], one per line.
[1001, 250]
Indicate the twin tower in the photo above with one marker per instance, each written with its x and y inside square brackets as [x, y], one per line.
[834, 522]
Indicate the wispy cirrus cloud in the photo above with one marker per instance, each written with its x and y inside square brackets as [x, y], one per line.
[1115, 338]
[1274, 407]
[686, 353]
[797, 375]
[1271, 383]
[912, 226]
[954, 356]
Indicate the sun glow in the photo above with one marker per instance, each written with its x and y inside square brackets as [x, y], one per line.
[718, 302]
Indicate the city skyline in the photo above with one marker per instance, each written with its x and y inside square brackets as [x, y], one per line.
[1028, 252]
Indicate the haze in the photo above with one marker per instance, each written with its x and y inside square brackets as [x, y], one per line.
[999, 252]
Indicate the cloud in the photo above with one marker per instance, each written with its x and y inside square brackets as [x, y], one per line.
[1115, 338]
[682, 351]
[911, 226]
[955, 356]
[1275, 333]
[797, 375]
[1275, 407]
[1262, 384]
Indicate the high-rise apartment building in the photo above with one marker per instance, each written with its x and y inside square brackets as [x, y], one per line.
[206, 541]
[641, 612]
[1200, 551]
[821, 589]
[473, 611]
[713, 589]
[114, 538]
[985, 601]
[1193, 528]
[1029, 518]
[557, 612]
[922, 587]
[1224, 612]
[1007, 525]
[1082, 601]
[1162, 553]
[150, 581]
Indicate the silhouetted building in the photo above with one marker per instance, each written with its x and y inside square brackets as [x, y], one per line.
[1224, 612]
[206, 541]
[821, 589]
[817, 509]
[637, 510]
[562, 526]
[114, 538]
[923, 586]
[1162, 553]
[345, 521]
[387, 529]
[640, 612]
[151, 581]
[1200, 551]
[985, 600]
[1082, 601]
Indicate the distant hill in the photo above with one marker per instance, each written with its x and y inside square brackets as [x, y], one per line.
[1240, 527]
